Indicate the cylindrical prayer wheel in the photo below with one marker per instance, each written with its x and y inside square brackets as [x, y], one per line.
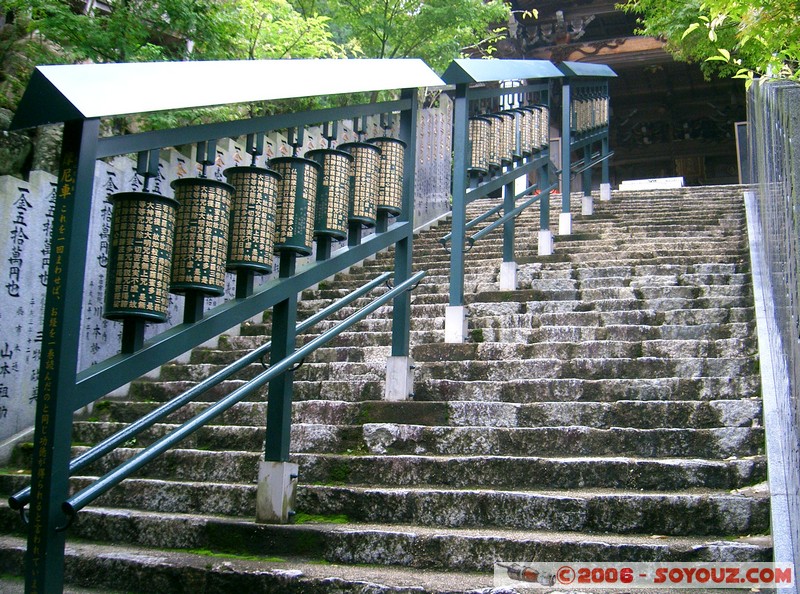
[140, 256]
[201, 235]
[252, 232]
[544, 126]
[507, 137]
[495, 133]
[365, 175]
[390, 178]
[333, 192]
[297, 196]
[525, 131]
[479, 130]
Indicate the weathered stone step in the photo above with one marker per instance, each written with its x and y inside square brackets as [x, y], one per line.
[531, 315]
[698, 513]
[598, 390]
[579, 368]
[488, 351]
[402, 438]
[630, 333]
[601, 415]
[144, 570]
[405, 546]
[349, 389]
[483, 472]
[554, 441]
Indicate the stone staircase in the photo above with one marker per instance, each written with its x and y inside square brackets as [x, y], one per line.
[608, 410]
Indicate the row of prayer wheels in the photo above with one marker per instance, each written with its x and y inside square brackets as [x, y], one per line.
[186, 243]
[589, 113]
[498, 139]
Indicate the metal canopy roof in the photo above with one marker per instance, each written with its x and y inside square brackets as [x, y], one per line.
[583, 69]
[477, 70]
[63, 93]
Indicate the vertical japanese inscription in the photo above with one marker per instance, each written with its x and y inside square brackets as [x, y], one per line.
[54, 303]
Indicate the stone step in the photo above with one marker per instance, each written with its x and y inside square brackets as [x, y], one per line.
[112, 568]
[417, 547]
[579, 368]
[401, 438]
[618, 511]
[489, 351]
[481, 472]
[601, 415]
[595, 390]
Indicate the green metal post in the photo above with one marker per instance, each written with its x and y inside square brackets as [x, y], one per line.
[587, 174]
[544, 203]
[509, 231]
[279, 408]
[566, 141]
[401, 314]
[460, 136]
[604, 153]
[44, 560]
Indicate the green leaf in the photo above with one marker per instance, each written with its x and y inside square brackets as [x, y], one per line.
[689, 29]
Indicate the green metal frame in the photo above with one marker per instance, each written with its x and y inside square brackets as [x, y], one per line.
[80, 96]
[477, 80]
[581, 78]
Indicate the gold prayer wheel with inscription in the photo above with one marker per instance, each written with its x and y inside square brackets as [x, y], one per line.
[365, 175]
[525, 131]
[479, 130]
[495, 132]
[333, 192]
[202, 225]
[507, 137]
[297, 196]
[140, 256]
[390, 176]
[252, 232]
[544, 126]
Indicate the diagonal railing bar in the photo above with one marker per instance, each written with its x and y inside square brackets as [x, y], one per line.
[85, 496]
[20, 499]
[513, 214]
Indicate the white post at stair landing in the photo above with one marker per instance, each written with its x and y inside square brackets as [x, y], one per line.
[455, 324]
[508, 276]
[399, 378]
[276, 493]
[545, 242]
[587, 206]
[565, 223]
[605, 191]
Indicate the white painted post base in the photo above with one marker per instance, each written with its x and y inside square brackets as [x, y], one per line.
[399, 378]
[546, 243]
[508, 276]
[277, 488]
[605, 191]
[587, 206]
[565, 223]
[455, 324]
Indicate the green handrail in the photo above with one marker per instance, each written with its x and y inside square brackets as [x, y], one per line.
[20, 499]
[85, 496]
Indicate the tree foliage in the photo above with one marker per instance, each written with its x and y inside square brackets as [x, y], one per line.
[435, 30]
[736, 38]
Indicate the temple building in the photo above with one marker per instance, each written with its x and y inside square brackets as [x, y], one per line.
[667, 119]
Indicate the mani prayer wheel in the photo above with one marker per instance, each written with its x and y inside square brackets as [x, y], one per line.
[390, 176]
[507, 137]
[333, 192]
[297, 193]
[495, 132]
[252, 230]
[202, 225]
[479, 130]
[140, 256]
[365, 175]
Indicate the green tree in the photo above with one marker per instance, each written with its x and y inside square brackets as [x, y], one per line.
[435, 30]
[736, 38]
